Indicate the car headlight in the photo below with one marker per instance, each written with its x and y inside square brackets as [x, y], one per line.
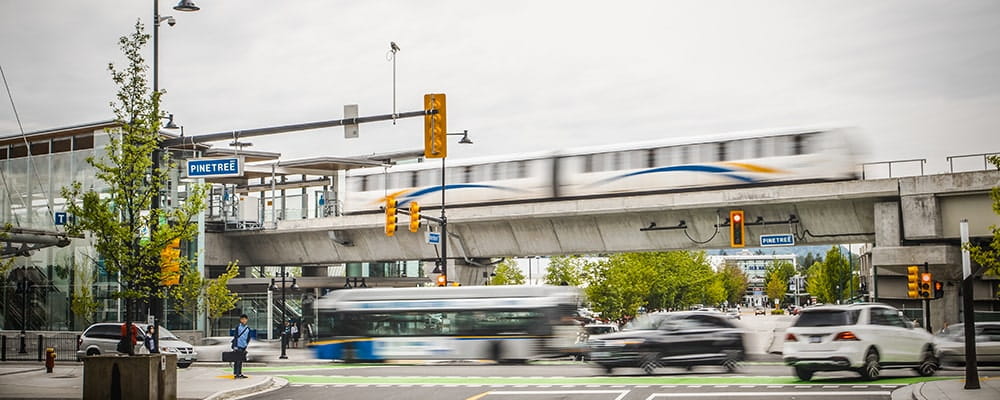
[168, 349]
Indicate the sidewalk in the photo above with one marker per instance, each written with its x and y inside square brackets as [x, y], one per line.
[951, 389]
[25, 381]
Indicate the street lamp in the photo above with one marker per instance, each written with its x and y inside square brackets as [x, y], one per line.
[444, 219]
[183, 5]
[295, 286]
[24, 289]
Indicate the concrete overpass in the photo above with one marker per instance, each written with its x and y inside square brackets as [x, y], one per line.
[893, 213]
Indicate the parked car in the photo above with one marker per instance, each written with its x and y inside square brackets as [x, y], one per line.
[950, 344]
[759, 311]
[681, 339]
[211, 348]
[864, 337]
[733, 313]
[103, 338]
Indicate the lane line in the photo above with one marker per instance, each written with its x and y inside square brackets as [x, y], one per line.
[770, 394]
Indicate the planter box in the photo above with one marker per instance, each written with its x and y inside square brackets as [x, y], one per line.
[142, 377]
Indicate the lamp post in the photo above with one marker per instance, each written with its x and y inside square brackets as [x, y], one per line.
[444, 219]
[187, 6]
[284, 319]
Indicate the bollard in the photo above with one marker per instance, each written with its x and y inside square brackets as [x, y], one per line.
[50, 360]
[41, 353]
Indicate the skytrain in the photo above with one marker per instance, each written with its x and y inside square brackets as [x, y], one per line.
[743, 159]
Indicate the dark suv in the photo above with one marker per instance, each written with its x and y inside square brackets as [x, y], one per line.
[678, 339]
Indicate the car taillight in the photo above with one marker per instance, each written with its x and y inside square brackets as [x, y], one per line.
[791, 338]
[79, 342]
[847, 335]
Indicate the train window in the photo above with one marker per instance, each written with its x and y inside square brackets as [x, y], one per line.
[522, 169]
[430, 177]
[495, 172]
[588, 163]
[758, 148]
[685, 154]
[617, 159]
[650, 158]
[363, 183]
[467, 174]
[414, 181]
[723, 156]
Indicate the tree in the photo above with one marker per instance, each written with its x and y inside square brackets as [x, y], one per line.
[507, 273]
[988, 255]
[817, 283]
[218, 299]
[776, 279]
[129, 234]
[82, 301]
[188, 294]
[565, 271]
[734, 281]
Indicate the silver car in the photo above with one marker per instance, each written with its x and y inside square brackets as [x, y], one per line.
[103, 338]
[211, 349]
[950, 344]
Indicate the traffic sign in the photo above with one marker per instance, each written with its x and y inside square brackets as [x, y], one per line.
[214, 167]
[433, 237]
[785, 239]
[60, 218]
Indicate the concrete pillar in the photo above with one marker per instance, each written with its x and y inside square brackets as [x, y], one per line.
[887, 224]
[921, 217]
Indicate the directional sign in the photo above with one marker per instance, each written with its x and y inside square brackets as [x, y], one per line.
[433, 237]
[785, 239]
[214, 167]
[60, 218]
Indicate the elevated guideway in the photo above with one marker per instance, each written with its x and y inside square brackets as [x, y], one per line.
[893, 212]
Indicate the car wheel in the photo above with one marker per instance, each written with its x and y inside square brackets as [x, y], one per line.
[870, 370]
[609, 370]
[929, 364]
[804, 374]
[650, 363]
[731, 365]
[93, 352]
[183, 365]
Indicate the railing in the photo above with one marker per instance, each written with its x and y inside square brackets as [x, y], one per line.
[985, 158]
[889, 164]
[35, 345]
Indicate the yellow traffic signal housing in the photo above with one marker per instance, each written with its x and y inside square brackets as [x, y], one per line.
[170, 263]
[390, 216]
[737, 231]
[414, 216]
[926, 284]
[442, 280]
[435, 127]
[913, 282]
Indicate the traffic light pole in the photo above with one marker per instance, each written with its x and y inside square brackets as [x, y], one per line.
[444, 225]
[927, 305]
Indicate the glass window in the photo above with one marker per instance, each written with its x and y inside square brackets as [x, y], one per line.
[650, 158]
[522, 169]
[723, 155]
[618, 161]
[827, 318]
[434, 323]
[588, 163]
[363, 183]
[467, 174]
[414, 181]
[495, 172]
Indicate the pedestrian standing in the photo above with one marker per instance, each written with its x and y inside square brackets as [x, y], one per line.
[295, 335]
[148, 340]
[240, 342]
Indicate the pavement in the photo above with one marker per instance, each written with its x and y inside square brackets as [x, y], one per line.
[203, 380]
[952, 389]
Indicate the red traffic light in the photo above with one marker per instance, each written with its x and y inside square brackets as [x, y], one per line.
[925, 277]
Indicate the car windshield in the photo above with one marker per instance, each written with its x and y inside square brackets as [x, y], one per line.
[827, 318]
[599, 330]
[648, 321]
[166, 335]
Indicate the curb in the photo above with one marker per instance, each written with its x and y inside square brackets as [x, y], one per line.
[269, 384]
[22, 371]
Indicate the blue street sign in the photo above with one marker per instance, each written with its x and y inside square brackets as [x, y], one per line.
[60, 217]
[214, 167]
[433, 237]
[784, 239]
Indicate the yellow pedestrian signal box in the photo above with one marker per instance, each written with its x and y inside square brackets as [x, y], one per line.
[170, 263]
[913, 282]
[435, 127]
[414, 216]
[926, 285]
[737, 232]
[390, 216]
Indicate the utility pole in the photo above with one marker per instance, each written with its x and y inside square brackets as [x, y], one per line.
[968, 312]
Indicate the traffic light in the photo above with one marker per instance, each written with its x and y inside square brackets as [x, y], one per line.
[390, 216]
[913, 282]
[442, 280]
[414, 216]
[170, 263]
[926, 284]
[736, 229]
[938, 289]
[435, 127]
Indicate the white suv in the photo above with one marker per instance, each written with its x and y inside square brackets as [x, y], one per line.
[858, 337]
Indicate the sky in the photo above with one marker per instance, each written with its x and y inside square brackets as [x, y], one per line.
[920, 79]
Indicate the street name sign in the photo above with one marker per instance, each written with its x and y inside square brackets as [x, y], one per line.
[433, 237]
[785, 239]
[214, 167]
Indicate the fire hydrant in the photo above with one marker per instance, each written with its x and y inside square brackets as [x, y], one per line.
[50, 360]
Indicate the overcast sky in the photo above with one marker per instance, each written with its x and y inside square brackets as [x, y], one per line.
[920, 78]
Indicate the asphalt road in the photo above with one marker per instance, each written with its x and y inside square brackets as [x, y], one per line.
[572, 381]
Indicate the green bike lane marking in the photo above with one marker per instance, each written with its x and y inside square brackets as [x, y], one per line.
[598, 380]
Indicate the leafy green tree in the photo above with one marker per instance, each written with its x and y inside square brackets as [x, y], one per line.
[507, 273]
[988, 255]
[817, 283]
[735, 283]
[128, 234]
[715, 292]
[776, 279]
[190, 291]
[565, 271]
[218, 299]
[82, 301]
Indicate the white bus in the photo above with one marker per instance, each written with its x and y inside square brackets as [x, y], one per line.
[502, 323]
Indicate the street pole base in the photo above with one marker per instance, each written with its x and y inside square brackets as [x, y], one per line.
[283, 357]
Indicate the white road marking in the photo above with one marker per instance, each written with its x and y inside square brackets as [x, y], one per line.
[621, 393]
[769, 394]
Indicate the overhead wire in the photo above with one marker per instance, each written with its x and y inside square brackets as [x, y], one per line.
[31, 162]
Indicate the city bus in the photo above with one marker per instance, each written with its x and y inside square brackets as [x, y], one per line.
[500, 323]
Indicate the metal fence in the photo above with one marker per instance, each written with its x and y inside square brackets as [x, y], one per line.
[32, 346]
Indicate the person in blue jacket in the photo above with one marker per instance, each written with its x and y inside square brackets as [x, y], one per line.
[240, 342]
